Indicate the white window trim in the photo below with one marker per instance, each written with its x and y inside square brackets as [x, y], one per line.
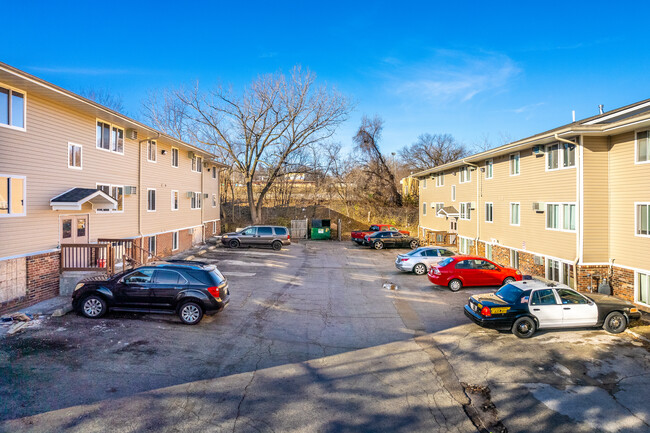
[440, 180]
[172, 200]
[16, 128]
[424, 209]
[468, 207]
[468, 178]
[637, 288]
[155, 199]
[560, 157]
[110, 189]
[24, 178]
[198, 199]
[214, 200]
[155, 161]
[178, 154]
[469, 243]
[435, 206]
[561, 274]
[453, 193]
[492, 207]
[560, 221]
[214, 172]
[81, 159]
[214, 227]
[155, 245]
[636, 217]
[175, 237]
[636, 147]
[491, 160]
[198, 166]
[519, 207]
[110, 134]
[424, 183]
[510, 163]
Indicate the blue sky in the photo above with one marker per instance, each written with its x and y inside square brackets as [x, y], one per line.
[478, 70]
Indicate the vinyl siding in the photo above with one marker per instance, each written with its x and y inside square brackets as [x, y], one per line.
[596, 199]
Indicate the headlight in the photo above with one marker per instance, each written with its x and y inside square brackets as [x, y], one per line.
[518, 272]
[78, 286]
[225, 236]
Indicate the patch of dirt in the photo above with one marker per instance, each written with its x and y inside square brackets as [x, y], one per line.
[481, 411]
[138, 347]
[29, 346]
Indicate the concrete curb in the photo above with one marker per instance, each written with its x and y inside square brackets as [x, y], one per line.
[62, 311]
[639, 336]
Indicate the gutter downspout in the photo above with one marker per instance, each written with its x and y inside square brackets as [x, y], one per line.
[140, 191]
[478, 212]
[577, 259]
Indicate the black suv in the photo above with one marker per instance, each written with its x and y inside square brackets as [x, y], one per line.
[187, 288]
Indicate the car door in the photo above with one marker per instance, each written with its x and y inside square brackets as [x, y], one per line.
[490, 273]
[264, 235]
[577, 310]
[431, 257]
[248, 236]
[166, 283]
[134, 289]
[468, 273]
[544, 305]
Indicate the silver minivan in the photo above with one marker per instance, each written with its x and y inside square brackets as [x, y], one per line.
[421, 259]
[273, 236]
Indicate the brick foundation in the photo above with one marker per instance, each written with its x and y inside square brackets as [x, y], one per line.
[42, 276]
[208, 229]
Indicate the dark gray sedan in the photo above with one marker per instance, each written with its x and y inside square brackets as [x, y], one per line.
[390, 239]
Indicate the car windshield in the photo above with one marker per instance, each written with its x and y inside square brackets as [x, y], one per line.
[416, 252]
[445, 262]
[509, 293]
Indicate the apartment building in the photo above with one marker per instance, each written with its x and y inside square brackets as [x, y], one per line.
[571, 204]
[74, 172]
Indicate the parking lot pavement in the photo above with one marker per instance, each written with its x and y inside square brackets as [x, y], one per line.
[312, 341]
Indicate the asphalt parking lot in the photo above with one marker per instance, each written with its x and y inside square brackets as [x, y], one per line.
[312, 340]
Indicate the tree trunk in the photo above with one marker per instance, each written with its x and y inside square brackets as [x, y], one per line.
[251, 201]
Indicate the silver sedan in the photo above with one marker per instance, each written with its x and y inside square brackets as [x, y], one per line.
[420, 259]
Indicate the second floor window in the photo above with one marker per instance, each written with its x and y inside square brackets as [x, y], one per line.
[174, 157]
[12, 108]
[174, 200]
[488, 212]
[74, 156]
[110, 137]
[195, 202]
[465, 175]
[197, 164]
[643, 219]
[214, 172]
[439, 207]
[514, 214]
[561, 155]
[151, 200]
[440, 179]
[489, 169]
[514, 164]
[466, 211]
[643, 146]
[424, 209]
[561, 216]
[152, 151]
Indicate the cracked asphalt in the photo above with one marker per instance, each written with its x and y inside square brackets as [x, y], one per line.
[312, 341]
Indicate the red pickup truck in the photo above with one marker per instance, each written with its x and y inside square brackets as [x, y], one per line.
[359, 236]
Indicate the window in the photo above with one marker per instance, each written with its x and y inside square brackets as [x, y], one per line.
[514, 164]
[151, 200]
[12, 108]
[439, 207]
[514, 259]
[552, 216]
[440, 179]
[424, 209]
[214, 227]
[214, 172]
[74, 156]
[514, 214]
[488, 212]
[466, 211]
[174, 241]
[464, 246]
[174, 157]
[279, 231]
[195, 202]
[139, 277]
[110, 137]
[561, 155]
[643, 219]
[571, 297]
[174, 200]
[152, 246]
[197, 164]
[106, 189]
[152, 150]
[169, 278]
[424, 183]
[642, 146]
[642, 291]
[265, 231]
[568, 217]
[561, 216]
[562, 272]
[13, 195]
[489, 169]
[214, 200]
[453, 193]
[465, 175]
[553, 270]
[488, 251]
[117, 192]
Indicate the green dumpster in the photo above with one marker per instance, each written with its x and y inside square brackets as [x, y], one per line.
[320, 229]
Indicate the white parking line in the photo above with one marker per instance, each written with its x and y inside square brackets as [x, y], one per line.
[239, 274]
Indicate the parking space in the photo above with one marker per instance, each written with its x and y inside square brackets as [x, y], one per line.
[320, 336]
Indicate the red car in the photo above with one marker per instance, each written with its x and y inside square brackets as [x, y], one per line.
[459, 271]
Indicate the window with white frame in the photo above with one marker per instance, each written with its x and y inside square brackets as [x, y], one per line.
[514, 214]
[12, 108]
[106, 189]
[488, 212]
[642, 291]
[175, 198]
[214, 172]
[453, 193]
[117, 139]
[439, 207]
[152, 150]
[174, 157]
[643, 219]
[489, 168]
[115, 191]
[214, 227]
[151, 200]
[561, 216]
[488, 251]
[465, 175]
[514, 259]
[152, 246]
[440, 179]
[466, 211]
[110, 137]
[560, 155]
[13, 195]
[424, 183]
[197, 164]
[195, 202]
[214, 200]
[643, 146]
[514, 164]
[464, 245]
[74, 156]
[424, 209]
[559, 271]
[174, 241]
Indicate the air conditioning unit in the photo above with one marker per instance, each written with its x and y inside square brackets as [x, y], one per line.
[206, 164]
[131, 134]
[189, 194]
[472, 205]
[206, 195]
[538, 207]
[538, 149]
[190, 154]
[539, 260]
[190, 231]
[130, 190]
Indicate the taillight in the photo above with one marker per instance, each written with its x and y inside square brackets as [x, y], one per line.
[214, 291]
[436, 271]
[288, 237]
[404, 260]
[485, 311]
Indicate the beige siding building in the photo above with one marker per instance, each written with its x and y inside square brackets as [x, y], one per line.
[74, 172]
[571, 204]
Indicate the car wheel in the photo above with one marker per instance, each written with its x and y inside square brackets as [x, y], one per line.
[419, 269]
[277, 245]
[615, 323]
[414, 244]
[234, 243]
[455, 285]
[190, 313]
[93, 307]
[524, 327]
[508, 280]
[378, 245]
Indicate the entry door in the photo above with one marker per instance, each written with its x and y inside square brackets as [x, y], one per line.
[74, 229]
[545, 307]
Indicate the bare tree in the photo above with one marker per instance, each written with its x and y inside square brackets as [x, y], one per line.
[367, 138]
[104, 97]
[431, 150]
[274, 117]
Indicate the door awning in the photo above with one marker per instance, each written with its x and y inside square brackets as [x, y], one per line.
[74, 198]
[449, 211]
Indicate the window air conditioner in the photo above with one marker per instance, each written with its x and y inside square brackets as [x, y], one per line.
[131, 134]
[206, 195]
[189, 194]
[190, 154]
[472, 205]
[538, 207]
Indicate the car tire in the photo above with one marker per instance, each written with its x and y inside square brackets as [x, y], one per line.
[508, 280]
[234, 243]
[414, 244]
[615, 323]
[190, 313]
[93, 307]
[420, 269]
[455, 285]
[379, 245]
[276, 245]
[524, 327]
